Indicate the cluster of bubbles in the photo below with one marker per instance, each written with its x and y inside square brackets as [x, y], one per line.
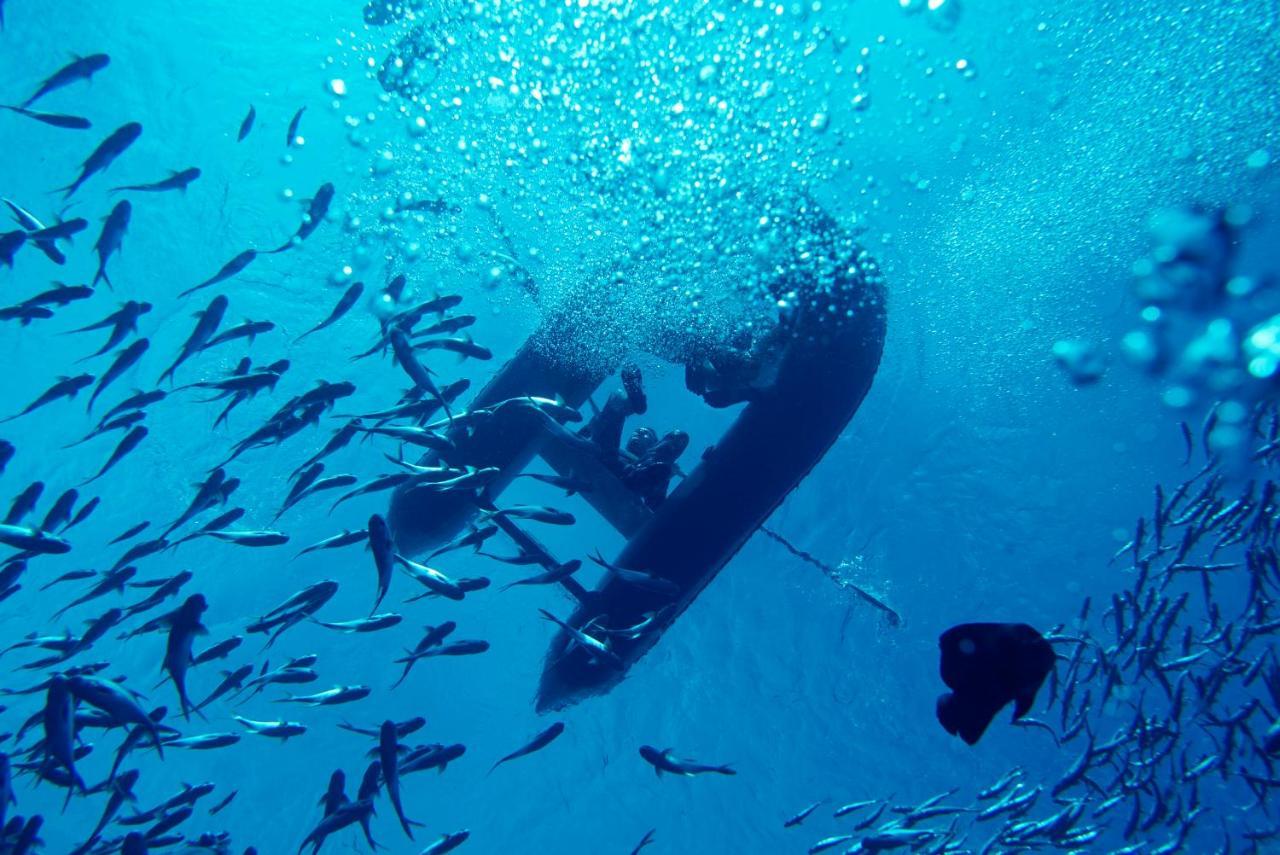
[630, 155]
[1208, 331]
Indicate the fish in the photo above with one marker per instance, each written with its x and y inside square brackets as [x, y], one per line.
[447, 843]
[10, 243]
[131, 440]
[25, 314]
[122, 322]
[430, 578]
[317, 209]
[110, 240]
[207, 322]
[246, 124]
[384, 556]
[66, 387]
[644, 841]
[282, 730]
[231, 680]
[80, 68]
[295, 609]
[129, 533]
[125, 359]
[662, 761]
[542, 740]
[330, 697]
[249, 329]
[184, 625]
[249, 538]
[24, 503]
[60, 295]
[222, 805]
[59, 514]
[638, 579]
[559, 573]
[33, 540]
[337, 541]
[59, 728]
[434, 637]
[595, 648]
[348, 299]
[231, 268]
[115, 701]
[464, 347]
[177, 180]
[291, 136]
[389, 757]
[121, 789]
[217, 651]
[373, 623]
[124, 422]
[104, 155]
[417, 373]
[205, 741]
[571, 484]
[986, 666]
[57, 120]
[800, 817]
[533, 513]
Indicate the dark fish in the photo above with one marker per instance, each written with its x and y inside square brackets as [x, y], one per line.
[231, 268]
[220, 806]
[249, 329]
[57, 120]
[61, 230]
[25, 314]
[24, 503]
[81, 68]
[347, 538]
[316, 211]
[184, 626]
[247, 124]
[124, 360]
[60, 512]
[542, 740]
[136, 401]
[10, 243]
[7, 451]
[60, 295]
[348, 299]
[987, 665]
[388, 754]
[292, 135]
[662, 761]
[66, 387]
[384, 556]
[464, 347]
[417, 373]
[176, 181]
[122, 322]
[447, 843]
[206, 325]
[132, 531]
[30, 223]
[131, 441]
[218, 651]
[104, 155]
[83, 514]
[111, 239]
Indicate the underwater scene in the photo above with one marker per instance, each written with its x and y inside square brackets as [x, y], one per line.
[619, 426]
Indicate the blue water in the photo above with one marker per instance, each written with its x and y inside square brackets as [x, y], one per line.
[1002, 162]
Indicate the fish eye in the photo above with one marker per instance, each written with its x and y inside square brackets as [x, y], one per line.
[967, 647]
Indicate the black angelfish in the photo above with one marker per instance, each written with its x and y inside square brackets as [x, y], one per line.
[987, 665]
